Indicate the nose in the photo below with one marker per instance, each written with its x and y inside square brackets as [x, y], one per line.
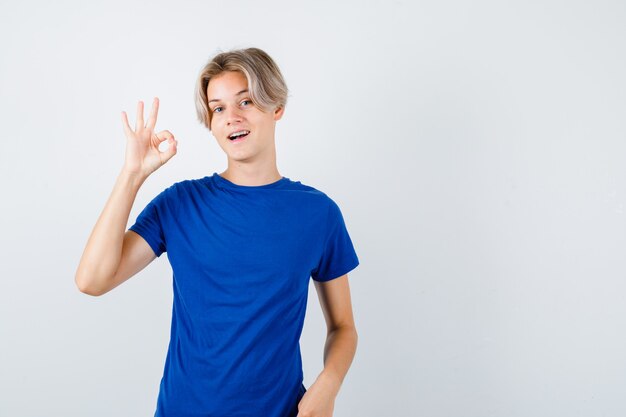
[233, 115]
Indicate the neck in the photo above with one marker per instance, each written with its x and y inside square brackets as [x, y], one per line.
[251, 175]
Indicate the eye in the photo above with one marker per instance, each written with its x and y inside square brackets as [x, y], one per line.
[246, 101]
[216, 109]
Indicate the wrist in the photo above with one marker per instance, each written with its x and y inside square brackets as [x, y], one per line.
[132, 174]
[131, 177]
[330, 379]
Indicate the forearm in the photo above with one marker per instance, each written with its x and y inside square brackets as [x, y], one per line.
[103, 250]
[339, 352]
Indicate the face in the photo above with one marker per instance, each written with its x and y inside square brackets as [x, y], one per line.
[232, 111]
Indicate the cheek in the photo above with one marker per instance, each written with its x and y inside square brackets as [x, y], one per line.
[215, 125]
[258, 122]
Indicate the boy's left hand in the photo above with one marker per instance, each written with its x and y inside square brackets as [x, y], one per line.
[319, 399]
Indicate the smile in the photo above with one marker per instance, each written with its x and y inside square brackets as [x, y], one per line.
[237, 136]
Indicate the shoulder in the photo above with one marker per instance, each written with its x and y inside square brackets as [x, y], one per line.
[186, 186]
[177, 193]
[320, 199]
[310, 191]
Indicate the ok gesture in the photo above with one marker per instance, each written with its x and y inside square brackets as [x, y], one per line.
[143, 156]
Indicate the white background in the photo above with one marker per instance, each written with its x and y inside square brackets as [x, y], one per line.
[476, 149]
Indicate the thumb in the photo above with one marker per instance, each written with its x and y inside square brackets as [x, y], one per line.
[171, 150]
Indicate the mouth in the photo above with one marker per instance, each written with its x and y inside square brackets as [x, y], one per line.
[238, 136]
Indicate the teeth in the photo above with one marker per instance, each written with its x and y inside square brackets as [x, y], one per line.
[243, 132]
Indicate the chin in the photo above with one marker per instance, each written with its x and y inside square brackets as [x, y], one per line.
[241, 156]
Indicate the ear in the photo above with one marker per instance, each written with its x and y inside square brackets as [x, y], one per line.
[278, 113]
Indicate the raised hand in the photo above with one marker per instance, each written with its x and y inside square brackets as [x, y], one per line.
[143, 156]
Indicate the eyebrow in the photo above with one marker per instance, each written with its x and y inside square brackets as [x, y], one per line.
[239, 93]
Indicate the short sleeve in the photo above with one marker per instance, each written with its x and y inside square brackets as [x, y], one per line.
[150, 223]
[338, 254]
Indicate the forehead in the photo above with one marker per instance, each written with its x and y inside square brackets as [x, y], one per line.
[226, 84]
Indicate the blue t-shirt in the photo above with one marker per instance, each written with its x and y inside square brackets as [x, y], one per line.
[241, 257]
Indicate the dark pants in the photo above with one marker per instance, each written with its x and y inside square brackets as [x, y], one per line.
[294, 410]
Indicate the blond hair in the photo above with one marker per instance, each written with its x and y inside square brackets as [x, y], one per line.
[268, 89]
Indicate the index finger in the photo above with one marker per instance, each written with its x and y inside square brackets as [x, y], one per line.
[153, 114]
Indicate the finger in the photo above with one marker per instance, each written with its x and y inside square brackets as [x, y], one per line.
[158, 138]
[139, 123]
[125, 124]
[164, 134]
[153, 114]
[171, 150]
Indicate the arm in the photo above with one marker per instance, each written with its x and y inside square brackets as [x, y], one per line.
[339, 350]
[111, 256]
[341, 337]
[108, 248]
